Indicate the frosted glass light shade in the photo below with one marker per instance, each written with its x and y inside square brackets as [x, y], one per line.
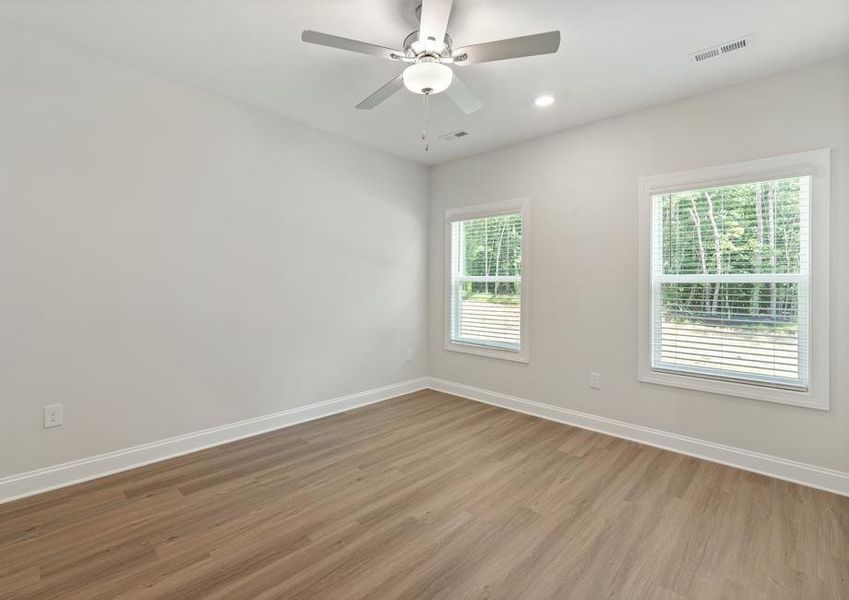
[427, 77]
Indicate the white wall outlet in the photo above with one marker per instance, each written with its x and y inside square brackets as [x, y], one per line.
[409, 354]
[595, 380]
[53, 415]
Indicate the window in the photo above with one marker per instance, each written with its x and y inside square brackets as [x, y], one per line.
[486, 305]
[731, 258]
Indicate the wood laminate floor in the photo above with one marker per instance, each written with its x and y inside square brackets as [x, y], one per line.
[428, 496]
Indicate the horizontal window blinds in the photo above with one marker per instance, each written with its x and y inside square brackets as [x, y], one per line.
[730, 282]
[486, 281]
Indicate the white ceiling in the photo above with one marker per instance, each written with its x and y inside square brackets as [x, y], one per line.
[616, 56]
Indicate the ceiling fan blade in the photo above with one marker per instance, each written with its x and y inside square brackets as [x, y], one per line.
[463, 97]
[434, 20]
[334, 41]
[382, 94]
[528, 45]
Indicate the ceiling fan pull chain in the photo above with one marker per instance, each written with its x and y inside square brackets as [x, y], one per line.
[424, 128]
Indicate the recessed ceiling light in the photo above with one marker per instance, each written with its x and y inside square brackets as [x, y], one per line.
[544, 100]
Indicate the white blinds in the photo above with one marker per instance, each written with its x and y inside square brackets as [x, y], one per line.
[730, 282]
[486, 281]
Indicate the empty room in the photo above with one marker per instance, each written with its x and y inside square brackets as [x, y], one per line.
[424, 299]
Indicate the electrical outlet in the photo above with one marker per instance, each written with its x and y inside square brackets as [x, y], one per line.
[409, 354]
[595, 380]
[53, 415]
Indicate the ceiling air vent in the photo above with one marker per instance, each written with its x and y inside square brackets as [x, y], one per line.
[455, 135]
[705, 54]
[735, 45]
[725, 48]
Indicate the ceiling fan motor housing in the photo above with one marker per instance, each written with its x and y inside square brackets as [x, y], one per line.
[414, 47]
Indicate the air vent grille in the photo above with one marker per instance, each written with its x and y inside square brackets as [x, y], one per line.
[705, 54]
[455, 135]
[735, 45]
[708, 53]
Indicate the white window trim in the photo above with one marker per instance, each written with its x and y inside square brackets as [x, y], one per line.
[817, 165]
[478, 211]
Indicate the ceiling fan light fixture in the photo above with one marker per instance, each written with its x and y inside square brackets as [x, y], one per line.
[428, 77]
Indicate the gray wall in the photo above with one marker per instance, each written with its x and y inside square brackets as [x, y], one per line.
[583, 186]
[170, 261]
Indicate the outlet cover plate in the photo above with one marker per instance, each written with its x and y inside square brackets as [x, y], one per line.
[53, 416]
[595, 380]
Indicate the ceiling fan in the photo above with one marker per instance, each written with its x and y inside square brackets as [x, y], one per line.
[429, 55]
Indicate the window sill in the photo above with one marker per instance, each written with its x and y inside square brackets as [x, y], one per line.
[805, 399]
[520, 356]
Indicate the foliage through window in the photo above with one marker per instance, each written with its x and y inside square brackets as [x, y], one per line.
[730, 291]
[486, 282]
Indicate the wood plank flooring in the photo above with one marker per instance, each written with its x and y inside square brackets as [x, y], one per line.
[428, 496]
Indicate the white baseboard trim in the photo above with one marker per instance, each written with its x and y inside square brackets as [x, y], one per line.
[49, 478]
[781, 468]
[77, 471]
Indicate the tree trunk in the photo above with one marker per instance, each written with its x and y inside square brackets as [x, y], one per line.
[498, 251]
[674, 258]
[773, 292]
[486, 254]
[717, 249]
[697, 223]
[759, 252]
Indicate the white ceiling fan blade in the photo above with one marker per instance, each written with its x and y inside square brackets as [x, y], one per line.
[528, 45]
[463, 97]
[434, 21]
[382, 94]
[334, 41]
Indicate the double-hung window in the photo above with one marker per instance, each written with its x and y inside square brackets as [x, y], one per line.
[735, 269]
[486, 304]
